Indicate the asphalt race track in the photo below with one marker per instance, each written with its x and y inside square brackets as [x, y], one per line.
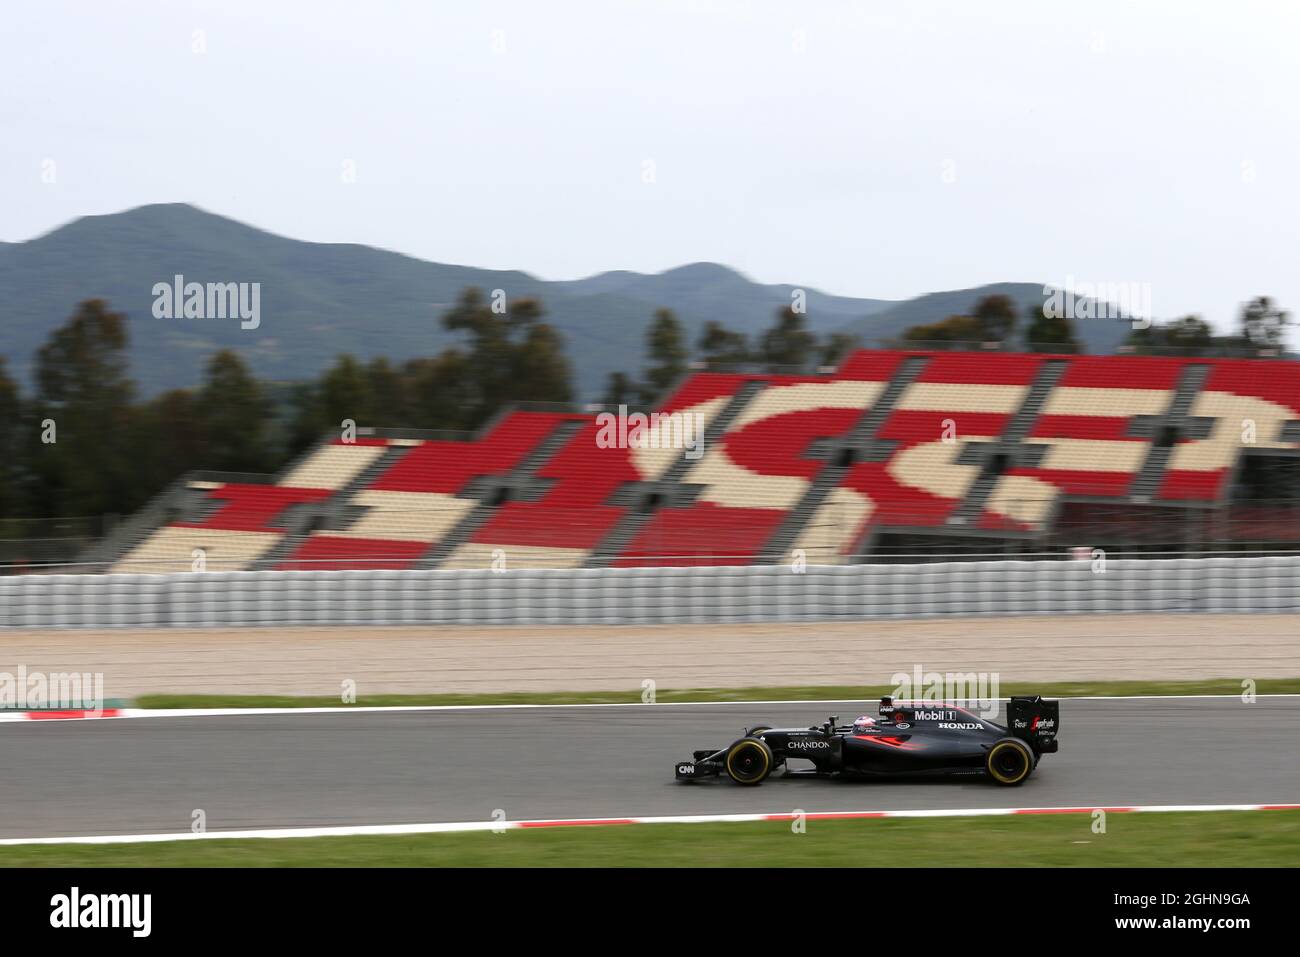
[148, 775]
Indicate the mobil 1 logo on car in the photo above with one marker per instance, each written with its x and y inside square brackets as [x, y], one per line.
[934, 716]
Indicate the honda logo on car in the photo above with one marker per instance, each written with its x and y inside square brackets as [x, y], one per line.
[960, 725]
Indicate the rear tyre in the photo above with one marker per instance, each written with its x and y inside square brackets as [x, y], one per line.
[1009, 761]
[748, 761]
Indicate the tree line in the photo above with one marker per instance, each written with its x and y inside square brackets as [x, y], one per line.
[994, 319]
[1261, 325]
[85, 444]
[788, 346]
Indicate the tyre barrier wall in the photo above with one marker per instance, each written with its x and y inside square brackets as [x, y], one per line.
[603, 596]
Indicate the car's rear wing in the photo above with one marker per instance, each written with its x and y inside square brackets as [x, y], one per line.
[1034, 721]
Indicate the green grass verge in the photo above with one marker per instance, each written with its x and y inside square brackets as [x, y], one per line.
[1201, 839]
[1062, 689]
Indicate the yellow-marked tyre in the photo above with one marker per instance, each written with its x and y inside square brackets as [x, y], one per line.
[749, 761]
[1009, 761]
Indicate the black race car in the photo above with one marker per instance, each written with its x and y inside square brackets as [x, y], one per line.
[907, 739]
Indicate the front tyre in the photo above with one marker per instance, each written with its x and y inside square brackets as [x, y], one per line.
[748, 761]
[1009, 761]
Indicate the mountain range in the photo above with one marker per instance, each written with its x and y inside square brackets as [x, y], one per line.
[319, 300]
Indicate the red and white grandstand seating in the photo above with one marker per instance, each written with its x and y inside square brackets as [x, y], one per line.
[954, 443]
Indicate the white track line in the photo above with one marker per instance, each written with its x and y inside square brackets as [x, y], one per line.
[468, 826]
[376, 709]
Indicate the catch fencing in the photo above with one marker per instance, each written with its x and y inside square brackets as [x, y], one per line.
[646, 596]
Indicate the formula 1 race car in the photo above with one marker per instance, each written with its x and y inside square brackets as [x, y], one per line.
[907, 739]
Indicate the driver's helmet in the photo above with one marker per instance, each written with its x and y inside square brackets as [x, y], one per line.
[861, 724]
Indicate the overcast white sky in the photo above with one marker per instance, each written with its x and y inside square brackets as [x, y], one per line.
[871, 149]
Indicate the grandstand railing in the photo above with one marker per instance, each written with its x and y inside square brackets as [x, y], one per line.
[1119, 528]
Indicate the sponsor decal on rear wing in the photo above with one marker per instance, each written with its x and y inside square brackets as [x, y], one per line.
[1034, 721]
